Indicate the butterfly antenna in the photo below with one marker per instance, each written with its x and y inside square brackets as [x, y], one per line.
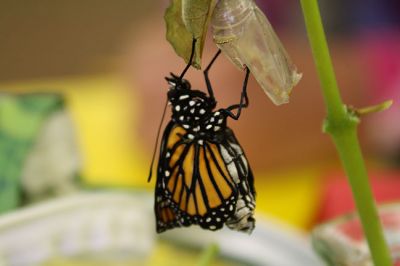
[155, 147]
[190, 59]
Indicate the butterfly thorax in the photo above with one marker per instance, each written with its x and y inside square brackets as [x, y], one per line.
[194, 111]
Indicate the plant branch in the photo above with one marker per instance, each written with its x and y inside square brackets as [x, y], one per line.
[341, 124]
[320, 50]
[374, 108]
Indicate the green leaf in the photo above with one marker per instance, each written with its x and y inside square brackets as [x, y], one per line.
[185, 20]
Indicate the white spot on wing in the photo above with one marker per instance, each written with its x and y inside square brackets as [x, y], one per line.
[246, 165]
[245, 186]
[191, 103]
[236, 148]
[225, 155]
[177, 108]
[202, 111]
[233, 172]
[240, 204]
[183, 97]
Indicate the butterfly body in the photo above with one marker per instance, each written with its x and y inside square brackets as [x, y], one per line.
[203, 176]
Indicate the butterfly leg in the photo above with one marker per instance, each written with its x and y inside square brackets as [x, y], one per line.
[205, 72]
[244, 100]
[190, 59]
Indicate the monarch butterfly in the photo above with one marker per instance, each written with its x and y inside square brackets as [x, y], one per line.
[203, 176]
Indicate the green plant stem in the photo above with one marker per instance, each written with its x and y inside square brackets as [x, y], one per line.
[322, 59]
[342, 126]
[208, 255]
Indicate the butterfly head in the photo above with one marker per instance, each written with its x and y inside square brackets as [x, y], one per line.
[178, 84]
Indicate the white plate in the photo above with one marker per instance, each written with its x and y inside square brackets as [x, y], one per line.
[121, 224]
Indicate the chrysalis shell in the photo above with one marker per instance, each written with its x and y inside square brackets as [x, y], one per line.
[245, 36]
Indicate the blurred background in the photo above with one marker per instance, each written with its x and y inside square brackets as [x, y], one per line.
[82, 88]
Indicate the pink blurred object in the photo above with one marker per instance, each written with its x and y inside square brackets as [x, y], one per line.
[381, 54]
[337, 197]
[341, 241]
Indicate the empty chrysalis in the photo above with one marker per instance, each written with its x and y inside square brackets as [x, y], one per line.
[245, 36]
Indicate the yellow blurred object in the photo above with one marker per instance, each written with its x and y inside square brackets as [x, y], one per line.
[163, 253]
[105, 112]
[166, 254]
[88, 262]
[292, 196]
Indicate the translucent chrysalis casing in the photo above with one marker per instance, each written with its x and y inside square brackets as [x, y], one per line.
[245, 36]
